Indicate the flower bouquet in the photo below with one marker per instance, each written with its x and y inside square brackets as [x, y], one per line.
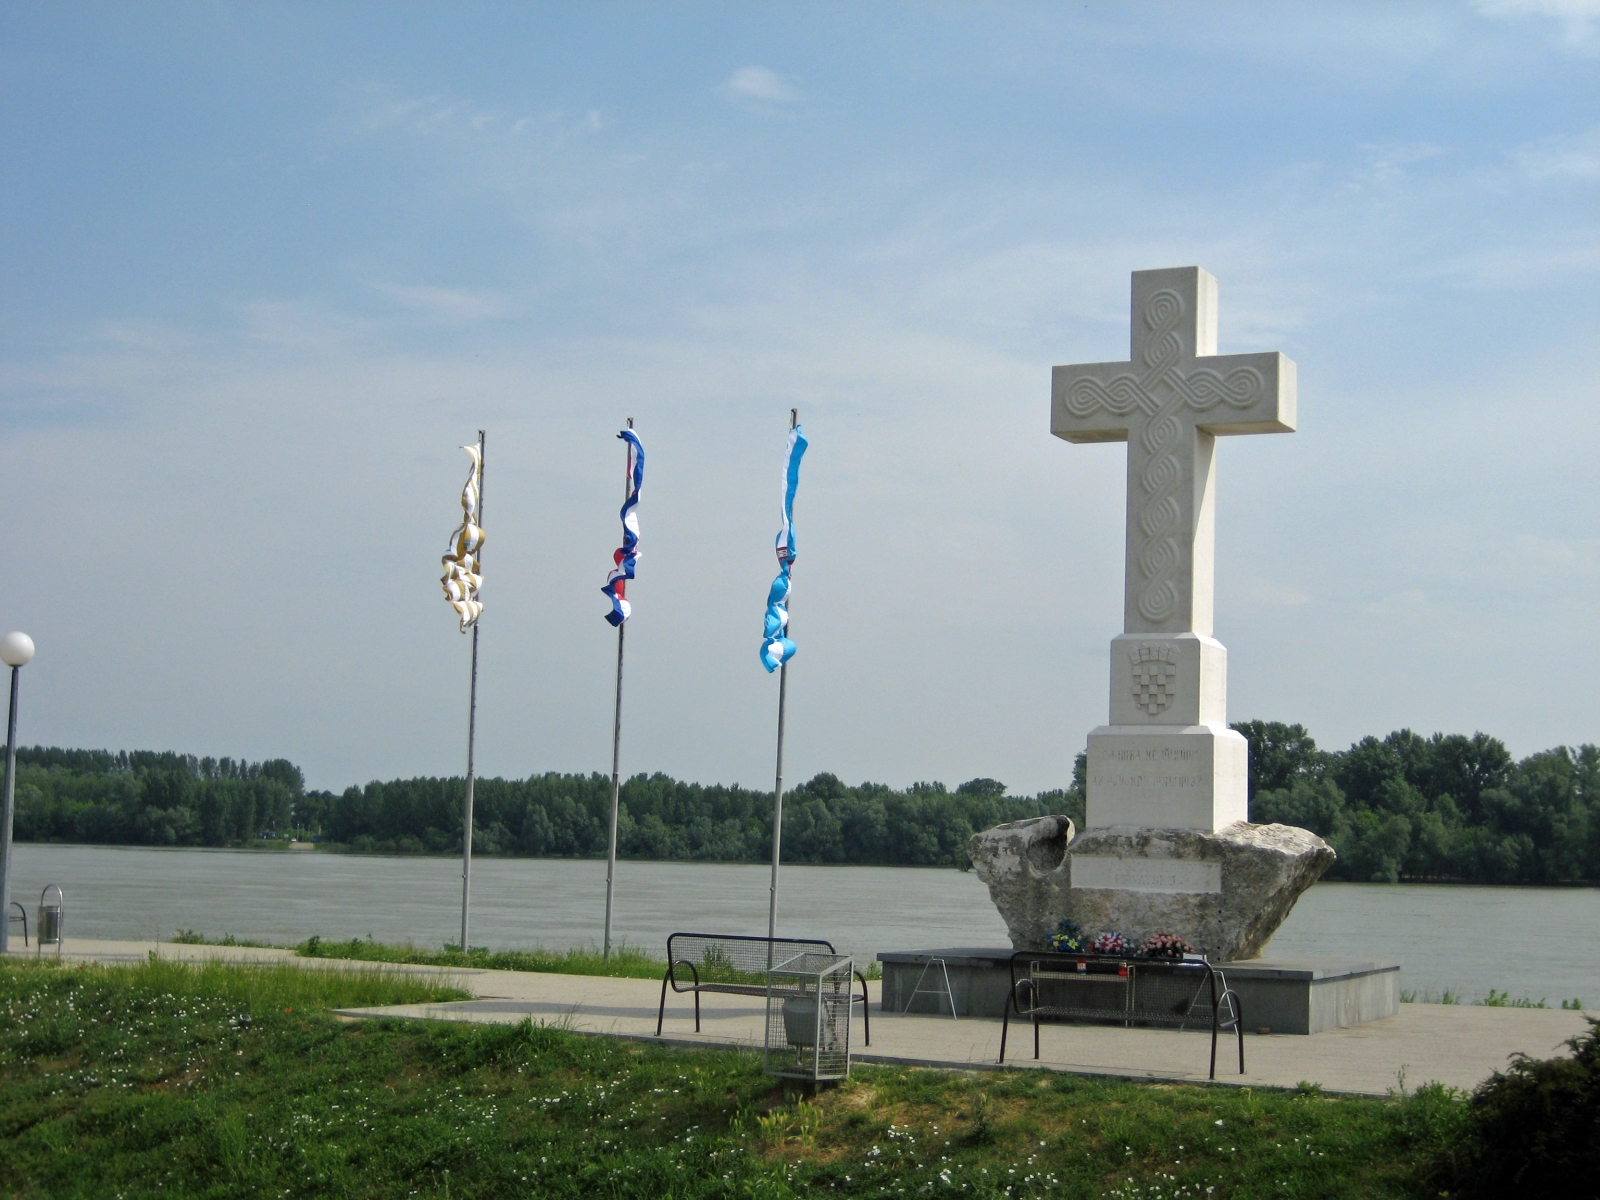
[1067, 939]
[1110, 943]
[1165, 945]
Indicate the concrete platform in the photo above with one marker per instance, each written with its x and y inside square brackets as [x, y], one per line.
[1455, 1045]
[1279, 996]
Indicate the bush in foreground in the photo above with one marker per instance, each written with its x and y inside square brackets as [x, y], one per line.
[1532, 1131]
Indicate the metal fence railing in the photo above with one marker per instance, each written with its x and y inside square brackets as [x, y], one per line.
[1116, 989]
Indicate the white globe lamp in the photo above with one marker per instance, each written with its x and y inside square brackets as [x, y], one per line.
[16, 649]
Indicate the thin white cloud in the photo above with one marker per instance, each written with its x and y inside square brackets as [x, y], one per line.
[1408, 601]
[1525, 266]
[310, 325]
[1579, 19]
[1572, 156]
[1388, 162]
[759, 87]
[145, 335]
[442, 115]
[447, 304]
[422, 114]
[1543, 561]
[1275, 595]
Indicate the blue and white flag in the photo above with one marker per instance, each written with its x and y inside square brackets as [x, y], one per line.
[776, 648]
[627, 555]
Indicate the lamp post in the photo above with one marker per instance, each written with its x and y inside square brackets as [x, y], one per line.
[16, 651]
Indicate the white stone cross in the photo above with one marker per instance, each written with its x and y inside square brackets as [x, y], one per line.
[1168, 758]
[1169, 404]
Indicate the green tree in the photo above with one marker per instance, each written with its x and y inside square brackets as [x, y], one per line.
[1279, 754]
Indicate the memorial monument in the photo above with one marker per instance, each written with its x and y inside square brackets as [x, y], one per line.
[1167, 846]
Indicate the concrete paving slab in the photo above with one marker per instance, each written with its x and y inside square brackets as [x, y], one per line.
[1455, 1045]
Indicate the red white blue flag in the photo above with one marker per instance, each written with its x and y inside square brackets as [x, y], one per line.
[627, 555]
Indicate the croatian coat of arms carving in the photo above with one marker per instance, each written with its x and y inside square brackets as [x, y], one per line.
[1155, 678]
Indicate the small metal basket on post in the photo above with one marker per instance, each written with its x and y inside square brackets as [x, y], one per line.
[52, 920]
[808, 1017]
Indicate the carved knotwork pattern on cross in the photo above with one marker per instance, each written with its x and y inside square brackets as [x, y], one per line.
[1162, 391]
[1155, 678]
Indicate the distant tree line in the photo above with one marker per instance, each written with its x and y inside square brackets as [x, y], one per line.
[824, 820]
[1448, 807]
[148, 798]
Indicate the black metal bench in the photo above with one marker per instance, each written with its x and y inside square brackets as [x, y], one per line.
[737, 965]
[1123, 990]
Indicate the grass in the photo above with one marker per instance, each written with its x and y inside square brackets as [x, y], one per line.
[188, 937]
[1493, 1000]
[229, 1080]
[626, 962]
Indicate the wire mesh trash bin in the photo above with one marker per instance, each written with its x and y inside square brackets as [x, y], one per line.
[808, 1017]
[52, 919]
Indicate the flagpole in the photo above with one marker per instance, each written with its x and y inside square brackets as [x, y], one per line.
[616, 752]
[777, 787]
[472, 733]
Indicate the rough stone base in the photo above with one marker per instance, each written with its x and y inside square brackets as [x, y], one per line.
[1225, 893]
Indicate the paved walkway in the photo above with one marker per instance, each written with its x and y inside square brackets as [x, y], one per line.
[1456, 1045]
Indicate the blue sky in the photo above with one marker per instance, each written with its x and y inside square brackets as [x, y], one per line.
[269, 265]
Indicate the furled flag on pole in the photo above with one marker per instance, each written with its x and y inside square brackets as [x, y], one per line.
[461, 578]
[627, 555]
[776, 648]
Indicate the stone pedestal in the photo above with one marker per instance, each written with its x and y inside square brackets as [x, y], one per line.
[1224, 893]
[1168, 760]
[1195, 777]
[1300, 997]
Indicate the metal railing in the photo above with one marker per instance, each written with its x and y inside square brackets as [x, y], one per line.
[1123, 990]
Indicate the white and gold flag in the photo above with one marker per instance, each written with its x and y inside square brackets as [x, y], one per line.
[461, 577]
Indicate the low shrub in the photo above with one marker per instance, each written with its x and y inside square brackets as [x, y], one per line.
[1533, 1130]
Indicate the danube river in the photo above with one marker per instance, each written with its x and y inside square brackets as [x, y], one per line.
[1539, 943]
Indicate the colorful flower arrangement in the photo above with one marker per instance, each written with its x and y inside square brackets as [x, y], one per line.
[1109, 943]
[1165, 945]
[1070, 939]
[1067, 939]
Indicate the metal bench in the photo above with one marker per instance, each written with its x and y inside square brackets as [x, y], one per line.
[1187, 993]
[738, 966]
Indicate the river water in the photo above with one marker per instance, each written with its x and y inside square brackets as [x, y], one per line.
[1539, 943]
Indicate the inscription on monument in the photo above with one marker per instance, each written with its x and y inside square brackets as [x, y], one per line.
[1162, 875]
[1162, 767]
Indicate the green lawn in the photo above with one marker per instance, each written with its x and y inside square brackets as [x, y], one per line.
[227, 1080]
[626, 962]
